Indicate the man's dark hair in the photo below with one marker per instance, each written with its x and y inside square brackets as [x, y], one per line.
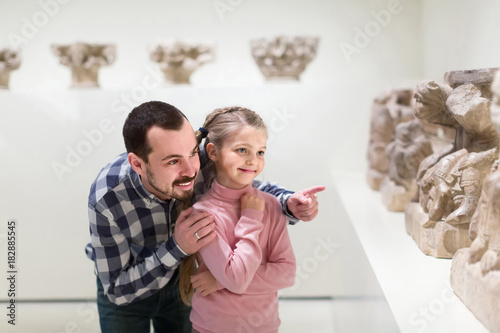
[145, 116]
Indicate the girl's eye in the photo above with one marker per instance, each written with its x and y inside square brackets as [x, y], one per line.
[261, 153]
[241, 150]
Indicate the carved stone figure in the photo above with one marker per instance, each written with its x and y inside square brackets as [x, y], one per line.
[450, 181]
[388, 110]
[475, 271]
[178, 60]
[405, 153]
[283, 58]
[9, 61]
[85, 61]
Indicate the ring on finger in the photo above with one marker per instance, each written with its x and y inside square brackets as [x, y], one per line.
[197, 236]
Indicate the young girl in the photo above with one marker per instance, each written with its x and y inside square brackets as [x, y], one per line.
[251, 258]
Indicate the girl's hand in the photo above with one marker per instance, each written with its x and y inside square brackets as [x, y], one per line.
[249, 200]
[204, 283]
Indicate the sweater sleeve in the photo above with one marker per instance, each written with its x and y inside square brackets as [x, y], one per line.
[235, 269]
[279, 270]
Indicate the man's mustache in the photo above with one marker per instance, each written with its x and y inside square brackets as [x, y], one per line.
[185, 180]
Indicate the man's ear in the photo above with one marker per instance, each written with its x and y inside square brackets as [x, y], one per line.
[211, 151]
[137, 164]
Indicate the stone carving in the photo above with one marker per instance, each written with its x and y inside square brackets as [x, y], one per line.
[9, 61]
[405, 153]
[475, 271]
[85, 61]
[450, 180]
[178, 60]
[283, 58]
[439, 136]
[388, 110]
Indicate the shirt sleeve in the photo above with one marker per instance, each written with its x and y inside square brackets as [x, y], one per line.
[279, 270]
[122, 281]
[235, 269]
[281, 194]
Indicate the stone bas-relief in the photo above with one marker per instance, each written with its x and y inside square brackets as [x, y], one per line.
[85, 60]
[475, 271]
[283, 58]
[178, 60]
[9, 60]
[450, 181]
[405, 153]
[388, 110]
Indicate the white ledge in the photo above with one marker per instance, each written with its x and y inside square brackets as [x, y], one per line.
[416, 286]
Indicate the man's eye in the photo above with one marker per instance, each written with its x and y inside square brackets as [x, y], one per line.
[194, 153]
[173, 162]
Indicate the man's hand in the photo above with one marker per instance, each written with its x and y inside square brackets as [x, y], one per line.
[193, 231]
[204, 283]
[304, 204]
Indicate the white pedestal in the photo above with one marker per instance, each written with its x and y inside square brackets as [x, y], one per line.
[416, 286]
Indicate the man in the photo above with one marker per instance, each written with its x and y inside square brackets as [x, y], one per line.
[138, 236]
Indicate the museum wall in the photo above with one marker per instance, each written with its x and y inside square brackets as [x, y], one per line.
[317, 125]
[465, 39]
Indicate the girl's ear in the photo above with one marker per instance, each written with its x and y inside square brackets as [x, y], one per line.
[211, 151]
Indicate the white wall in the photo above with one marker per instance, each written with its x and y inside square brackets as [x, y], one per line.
[459, 35]
[327, 128]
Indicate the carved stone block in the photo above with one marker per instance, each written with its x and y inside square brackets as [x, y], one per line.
[283, 58]
[178, 60]
[440, 241]
[9, 60]
[479, 292]
[405, 153]
[475, 272]
[396, 197]
[388, 110]
[481, 78]
[85, 60]
[450, 180]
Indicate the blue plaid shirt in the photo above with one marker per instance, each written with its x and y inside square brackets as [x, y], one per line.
[132, 231]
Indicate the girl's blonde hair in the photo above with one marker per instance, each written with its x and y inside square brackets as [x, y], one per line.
[219, 125]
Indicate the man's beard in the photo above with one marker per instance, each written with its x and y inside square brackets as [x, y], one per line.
[170, 191]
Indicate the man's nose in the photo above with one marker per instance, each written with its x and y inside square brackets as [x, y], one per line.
[189, 169]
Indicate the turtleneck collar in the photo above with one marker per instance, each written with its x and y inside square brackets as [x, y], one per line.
[228, 194]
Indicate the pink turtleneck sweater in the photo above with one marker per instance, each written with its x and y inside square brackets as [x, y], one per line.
[251, 258]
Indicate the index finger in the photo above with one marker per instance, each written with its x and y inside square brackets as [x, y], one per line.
[184, 214]
[309, 192]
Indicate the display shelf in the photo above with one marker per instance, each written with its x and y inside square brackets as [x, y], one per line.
[415, 285]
